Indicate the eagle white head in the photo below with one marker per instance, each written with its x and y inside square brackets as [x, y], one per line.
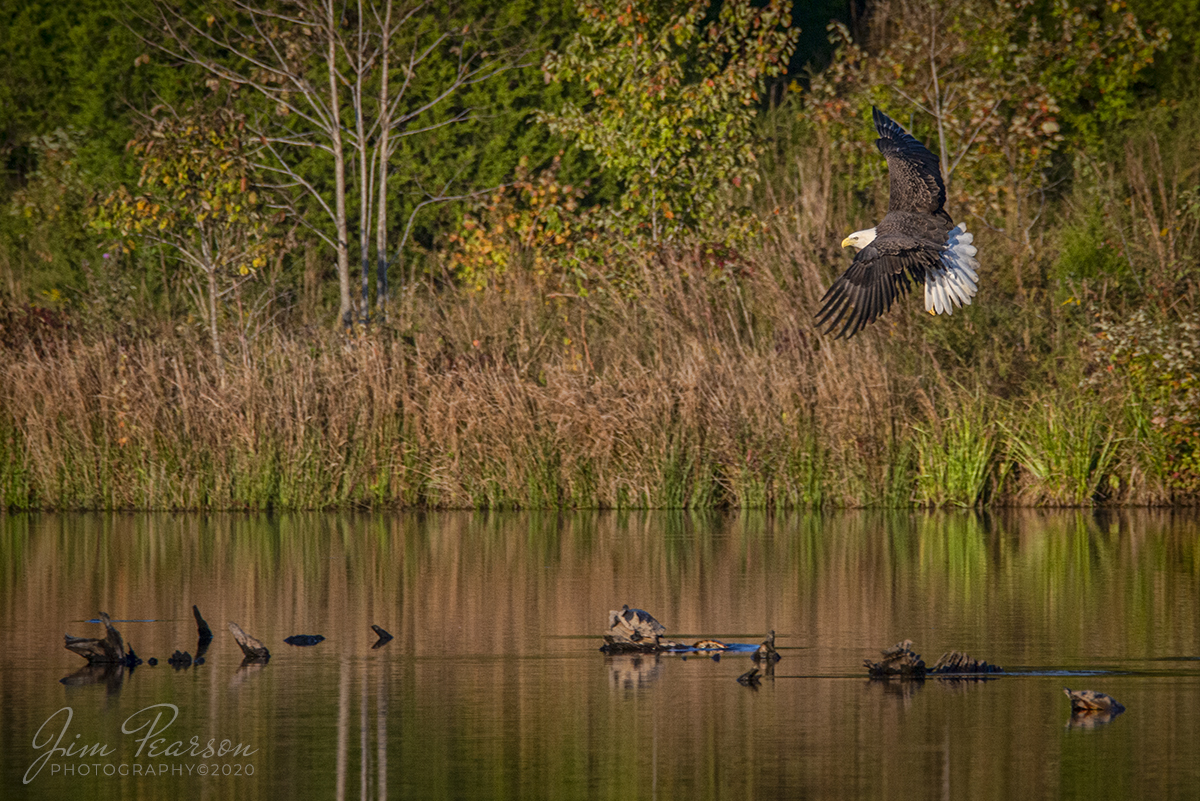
[860, 239]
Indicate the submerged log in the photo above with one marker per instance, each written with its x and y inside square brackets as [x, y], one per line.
[899, 660]
[180, 660]
[383, 635]
[107, 651]
[252, 648]
[202, 629]
[957, 663]
[304, 639]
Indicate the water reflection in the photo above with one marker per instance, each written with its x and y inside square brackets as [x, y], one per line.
[492, 686]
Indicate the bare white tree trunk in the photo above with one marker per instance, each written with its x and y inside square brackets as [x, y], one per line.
[383, 153]
[345, 310]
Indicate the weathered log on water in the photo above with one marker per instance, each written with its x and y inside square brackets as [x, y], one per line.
[202, 629]
[107, 651]
[899, 660]
[180, 660]
[251, 647]
[957, 663]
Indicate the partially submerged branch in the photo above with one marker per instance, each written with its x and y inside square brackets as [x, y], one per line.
[251, 647]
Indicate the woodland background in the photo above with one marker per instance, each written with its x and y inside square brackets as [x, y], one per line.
[305, 254]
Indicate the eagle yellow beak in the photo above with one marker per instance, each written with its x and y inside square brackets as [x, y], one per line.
[846, 242]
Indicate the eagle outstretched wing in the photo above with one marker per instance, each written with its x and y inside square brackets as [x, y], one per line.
[878, 275]
[914, 175]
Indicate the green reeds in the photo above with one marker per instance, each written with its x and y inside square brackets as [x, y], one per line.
[1066, 450]
[956, 457]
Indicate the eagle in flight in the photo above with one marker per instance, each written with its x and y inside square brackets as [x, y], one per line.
[915, 240]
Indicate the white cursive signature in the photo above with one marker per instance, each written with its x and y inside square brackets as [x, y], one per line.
[150, 721]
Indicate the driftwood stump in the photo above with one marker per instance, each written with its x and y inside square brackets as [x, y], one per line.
[252, 648]
[108, 651]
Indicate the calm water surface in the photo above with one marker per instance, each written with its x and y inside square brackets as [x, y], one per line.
[494, 688]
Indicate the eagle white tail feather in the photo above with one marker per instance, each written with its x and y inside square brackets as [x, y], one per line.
[957, 281]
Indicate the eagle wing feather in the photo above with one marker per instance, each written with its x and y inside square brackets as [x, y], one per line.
[880, 273]
[914, 175]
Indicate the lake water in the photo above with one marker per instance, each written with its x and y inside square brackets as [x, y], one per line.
[494, 686]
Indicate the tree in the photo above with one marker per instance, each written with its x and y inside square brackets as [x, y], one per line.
[673, 88]
[198, 197]
[342, 83]
[45, 238]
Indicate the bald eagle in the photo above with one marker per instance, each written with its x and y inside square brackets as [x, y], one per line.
[916, 240]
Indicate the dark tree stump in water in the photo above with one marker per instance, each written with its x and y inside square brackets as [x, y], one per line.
[108, 651]
[252, 648]
[180, 660]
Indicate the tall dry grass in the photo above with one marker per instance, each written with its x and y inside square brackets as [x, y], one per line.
[701, 393]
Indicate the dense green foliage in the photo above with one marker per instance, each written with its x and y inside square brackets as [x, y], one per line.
[671, 103]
